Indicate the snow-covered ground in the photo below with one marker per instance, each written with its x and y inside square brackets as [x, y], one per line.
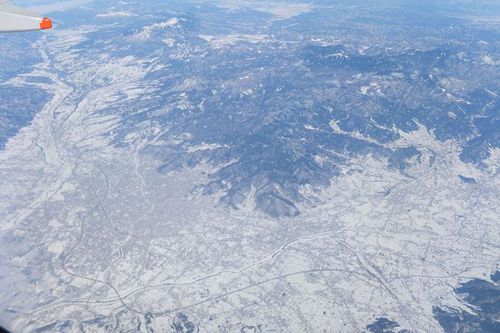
[94, 237]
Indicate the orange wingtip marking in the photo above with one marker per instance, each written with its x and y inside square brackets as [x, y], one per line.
[46, 23]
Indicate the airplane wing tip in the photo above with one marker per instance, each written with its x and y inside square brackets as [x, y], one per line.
[46, 23]
[17, 19]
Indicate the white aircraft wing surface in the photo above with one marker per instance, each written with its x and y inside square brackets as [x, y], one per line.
[14, 19]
